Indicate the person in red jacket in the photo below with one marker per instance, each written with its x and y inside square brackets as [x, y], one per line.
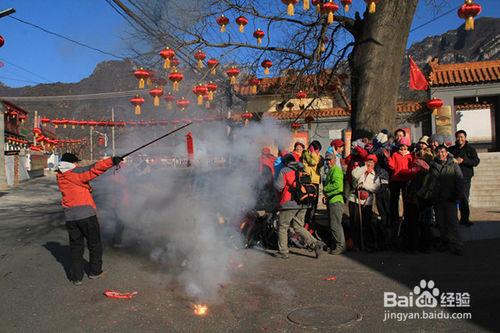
[80, 212]
[400, 164]
[291, 213]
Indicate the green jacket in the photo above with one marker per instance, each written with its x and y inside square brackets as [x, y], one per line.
[334, 185]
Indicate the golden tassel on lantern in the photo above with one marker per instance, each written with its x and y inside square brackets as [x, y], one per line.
[170, 105]
[469, 23]
[306, 5]
[223, 28]
[200, 64]
[290, 9]
[137, 110]
[318, 8]
[156, 101]
[259, 40]
[166, 64]
[148, 81]
[254, 89]
[323, 47]
[266, 71]
[141, 83]
[175, 86]
[213, 70]
[200, 99]
[242, 28]
[330, 18]
[372, 7]
[346, 7]
[210, 95]
[233, 80]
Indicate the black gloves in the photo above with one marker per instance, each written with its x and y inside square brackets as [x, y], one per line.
[117, 160]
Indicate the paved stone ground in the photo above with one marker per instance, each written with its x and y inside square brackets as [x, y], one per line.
[36, 295]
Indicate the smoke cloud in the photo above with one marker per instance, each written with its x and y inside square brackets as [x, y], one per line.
[186, 218]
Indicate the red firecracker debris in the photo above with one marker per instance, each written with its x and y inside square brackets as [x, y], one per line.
[119, 295]
[330, 278]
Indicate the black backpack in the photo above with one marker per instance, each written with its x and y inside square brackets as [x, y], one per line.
[303, 191]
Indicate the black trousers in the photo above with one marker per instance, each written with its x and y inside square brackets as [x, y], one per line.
[464, 203]
[79, 230]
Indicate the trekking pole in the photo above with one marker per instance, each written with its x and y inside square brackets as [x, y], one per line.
[360, 211]
[153, 141]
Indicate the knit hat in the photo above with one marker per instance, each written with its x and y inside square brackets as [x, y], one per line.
[381, 137]
[329, 156]
[372, 157]
[405, 141]
[424, 140]
[337, 143]
[71, 158]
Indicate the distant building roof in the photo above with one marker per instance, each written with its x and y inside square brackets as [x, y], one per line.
[405, 107]
[464, 73]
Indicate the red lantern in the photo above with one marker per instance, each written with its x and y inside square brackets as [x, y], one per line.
[242, 21]
[330, 8]
[259, 34]
[73, 123]
[200, 56]
[317, 3]
[233, 73]
[301, 95]
[64, 122]
[137, 101]
[2, 41]
[183, 103]
[175, 62]
[176, 77]
[142, 75]
[372, 5]
[212, 64]
[93, 123]
[169, 98]
[83, 123]
[254, 82]
[290, 6]
[266, 64]
[56, 122]
[346, 4]
[296, 126]
[45, 121]
[156, 94]
[22, 118]
[168, 54]
[13, 114]
[434, 104]
[212, 88]
[223, 22]
[467, 12]
[200, 90]
[101, 141]
[37, 132]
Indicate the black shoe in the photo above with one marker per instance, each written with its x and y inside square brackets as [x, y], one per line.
[281, 255]
[96, 276]
[77, 283]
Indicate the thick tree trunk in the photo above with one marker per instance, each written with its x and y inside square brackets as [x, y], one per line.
[375, 64]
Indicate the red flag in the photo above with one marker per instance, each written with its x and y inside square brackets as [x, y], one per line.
[417, 78]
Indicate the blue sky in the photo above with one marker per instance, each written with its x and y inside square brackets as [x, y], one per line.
[95, 23]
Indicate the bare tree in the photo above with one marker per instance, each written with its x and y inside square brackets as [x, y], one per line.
[370, 47]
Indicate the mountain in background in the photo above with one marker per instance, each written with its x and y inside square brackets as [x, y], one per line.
[458, 45]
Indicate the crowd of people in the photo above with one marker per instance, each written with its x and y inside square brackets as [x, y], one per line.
[395, 193]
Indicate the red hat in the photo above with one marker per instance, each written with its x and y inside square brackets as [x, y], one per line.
[372, 157]
[337, 143]
[405, 141]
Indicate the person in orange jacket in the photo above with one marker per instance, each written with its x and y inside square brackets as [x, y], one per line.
[80, 212]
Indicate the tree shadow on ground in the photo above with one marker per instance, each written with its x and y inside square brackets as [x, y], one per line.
[62, 254]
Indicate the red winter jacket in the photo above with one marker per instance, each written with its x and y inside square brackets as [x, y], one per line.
[401, 166]
[283, 183]
[73, 182]
[355, 160]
